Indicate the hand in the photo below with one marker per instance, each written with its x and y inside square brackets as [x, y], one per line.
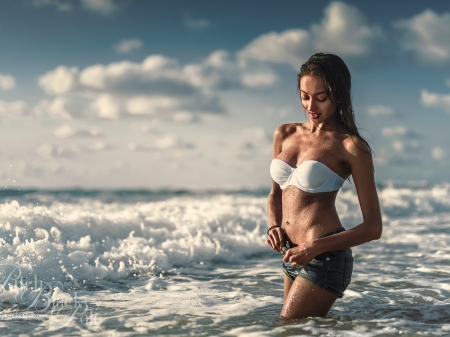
[302, 254]
[275, 239]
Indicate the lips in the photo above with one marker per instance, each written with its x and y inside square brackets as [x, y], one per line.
[315, 116]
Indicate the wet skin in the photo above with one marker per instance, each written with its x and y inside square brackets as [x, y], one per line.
[304, 215]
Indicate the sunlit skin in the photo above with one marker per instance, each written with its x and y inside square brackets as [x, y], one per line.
[305, 216]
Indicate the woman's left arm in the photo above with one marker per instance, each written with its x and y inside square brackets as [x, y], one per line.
[361, 164]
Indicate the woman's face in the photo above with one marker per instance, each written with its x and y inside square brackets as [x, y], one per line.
[315, 99]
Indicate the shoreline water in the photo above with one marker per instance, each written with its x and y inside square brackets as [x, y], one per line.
[183, 263]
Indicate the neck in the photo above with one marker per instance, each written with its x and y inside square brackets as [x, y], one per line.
[331, 124]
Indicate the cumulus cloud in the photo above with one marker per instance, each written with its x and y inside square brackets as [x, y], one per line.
[380, 110]
[438, 153]
[127, 46]
[146, 127]
[292, 46]
[68, 131]
[104, 7]
[343, 30]
[48, 151]
[401, 131]
[247, 143]
[158, 87]
[51, 151]
[107, 106]
[197, 23]
[61, 5]
[96, 147]
[426, 36]
[281, 111]
[59, 81]
[411, 146]
[162, 142]
[434, 100]
[17, 109]
[7, 82]
[259, 80]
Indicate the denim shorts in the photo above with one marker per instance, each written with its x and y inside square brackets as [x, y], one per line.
[331, 271]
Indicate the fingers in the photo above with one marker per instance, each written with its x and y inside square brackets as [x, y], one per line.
[270, 243]
[276, 239]
[287, 256]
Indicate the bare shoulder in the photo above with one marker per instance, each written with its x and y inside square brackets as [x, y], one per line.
[355, 147]
[281, 133]
[284, 130]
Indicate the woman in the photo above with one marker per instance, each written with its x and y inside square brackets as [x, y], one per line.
[311, 162]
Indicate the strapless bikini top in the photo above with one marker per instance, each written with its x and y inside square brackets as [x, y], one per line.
[310, 176]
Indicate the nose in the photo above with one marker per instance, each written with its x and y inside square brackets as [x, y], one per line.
[312, 105]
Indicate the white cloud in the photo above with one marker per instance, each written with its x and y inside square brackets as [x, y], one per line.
[162, 142]
[158, 86]
[17, 109]
[397, 146]
[380, 110]
[292, 46]
[59, 81]
[45, 151]
[411, 146]
[104, 7]
[100, 6]
[61, 107]
[438, 153]
[146, 127]
[183, 117]
[400, 131]
[7, 82]
[107, 106]
[247, 143]
[127, 46]
[60, 5]
[145, 105]
[219, 59]
[259, 80]
[281, 111]
[433, 100]
[97, 147]
[394, 131]
[157, 75]
[197, 24]
[343, 30]
[426, 35]
[68, 131]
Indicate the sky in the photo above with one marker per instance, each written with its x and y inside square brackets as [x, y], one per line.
[187, 94]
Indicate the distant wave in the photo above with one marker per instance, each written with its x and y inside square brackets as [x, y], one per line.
[86, 235]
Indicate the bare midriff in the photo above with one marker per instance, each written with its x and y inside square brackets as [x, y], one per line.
[306, 215]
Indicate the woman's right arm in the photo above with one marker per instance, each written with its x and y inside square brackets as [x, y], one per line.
[275, 239]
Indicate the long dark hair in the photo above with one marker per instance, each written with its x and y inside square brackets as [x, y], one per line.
[338, 84]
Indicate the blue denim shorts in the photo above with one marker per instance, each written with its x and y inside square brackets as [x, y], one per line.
[331, 271]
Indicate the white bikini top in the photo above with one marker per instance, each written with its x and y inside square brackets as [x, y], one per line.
[310, 176]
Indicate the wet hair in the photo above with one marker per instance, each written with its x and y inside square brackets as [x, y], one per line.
[338, 84]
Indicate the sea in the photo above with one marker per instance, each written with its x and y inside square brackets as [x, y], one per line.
[195, 263]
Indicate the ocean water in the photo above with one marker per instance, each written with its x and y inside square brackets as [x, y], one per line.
[180, 263]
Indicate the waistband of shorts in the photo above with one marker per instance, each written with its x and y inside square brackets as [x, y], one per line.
[335, 231]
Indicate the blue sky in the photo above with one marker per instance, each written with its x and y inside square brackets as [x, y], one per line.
[187, 94]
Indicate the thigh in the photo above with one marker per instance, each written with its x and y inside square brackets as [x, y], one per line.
[287, 285]
[306, 299]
